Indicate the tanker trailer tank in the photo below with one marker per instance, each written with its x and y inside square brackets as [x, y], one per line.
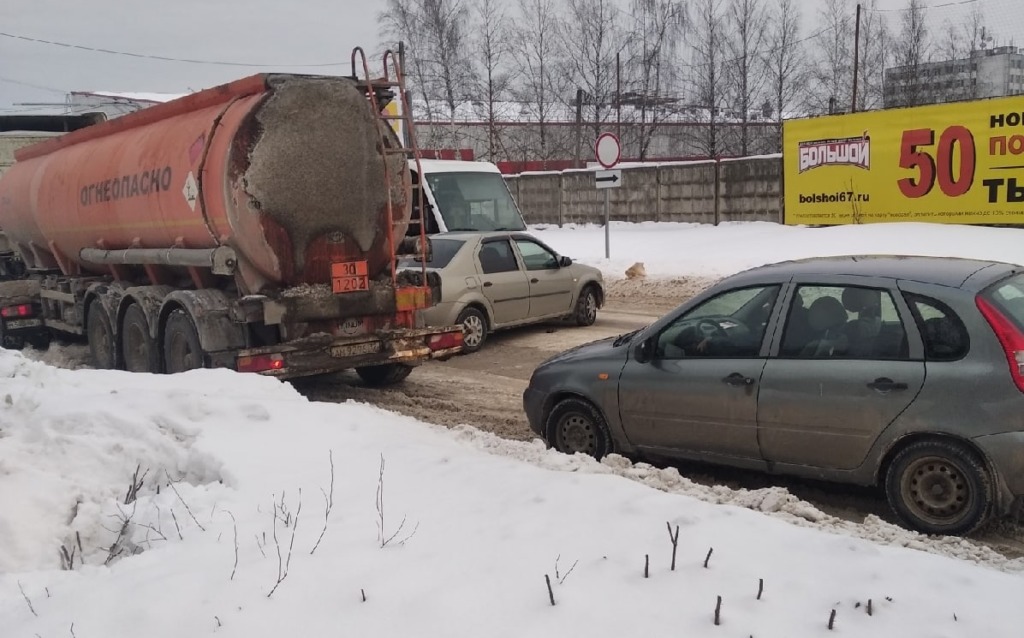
[251, 225]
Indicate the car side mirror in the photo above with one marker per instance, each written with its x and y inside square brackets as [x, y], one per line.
[644, 351]
[564, 262]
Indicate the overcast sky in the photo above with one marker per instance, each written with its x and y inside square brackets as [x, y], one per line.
[269, 33]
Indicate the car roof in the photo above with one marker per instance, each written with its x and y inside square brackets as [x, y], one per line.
[956, 272]
[466, 235]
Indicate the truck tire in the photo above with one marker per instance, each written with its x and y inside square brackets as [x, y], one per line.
[9, 342]
[138, 348]
[383, 375]
[100, 336]
[182, 350]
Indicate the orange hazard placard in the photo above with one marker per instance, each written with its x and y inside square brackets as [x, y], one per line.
[349, 276]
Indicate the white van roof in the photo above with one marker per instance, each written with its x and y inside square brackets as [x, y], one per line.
[454, 166]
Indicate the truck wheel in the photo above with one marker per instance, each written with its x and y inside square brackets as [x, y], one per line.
[100, 336]
[383, 375]
[9, 342]
[939, 487]
[40, 341]
[474, 329]
[138, 348]
[182, 350]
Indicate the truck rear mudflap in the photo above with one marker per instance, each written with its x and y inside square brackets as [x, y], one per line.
[324, 354]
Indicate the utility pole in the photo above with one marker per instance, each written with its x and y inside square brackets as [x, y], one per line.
[856, 60]
[579, 128]
[618, 95]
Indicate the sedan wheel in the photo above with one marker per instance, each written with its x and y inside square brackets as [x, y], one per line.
[586, 307]
[474, 329]
[575, 425]
[939, 488]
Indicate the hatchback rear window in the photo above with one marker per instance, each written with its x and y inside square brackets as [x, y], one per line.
[944, 334]
[442, 253]
[1008, 297]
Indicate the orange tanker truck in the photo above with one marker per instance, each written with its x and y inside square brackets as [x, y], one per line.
[255, 226]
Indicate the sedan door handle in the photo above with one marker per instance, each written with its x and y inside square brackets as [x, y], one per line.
[738, 379]
[534, 280]
[885, 384]
[487, 284]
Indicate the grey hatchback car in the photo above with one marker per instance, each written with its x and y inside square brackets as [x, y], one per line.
[901, 372]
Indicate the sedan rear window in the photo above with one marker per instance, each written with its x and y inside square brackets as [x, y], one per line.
[442, 253]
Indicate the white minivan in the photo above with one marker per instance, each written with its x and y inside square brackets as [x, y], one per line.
[463, 196]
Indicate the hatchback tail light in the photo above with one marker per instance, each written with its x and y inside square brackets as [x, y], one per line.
[1010, 337]
[23, 310]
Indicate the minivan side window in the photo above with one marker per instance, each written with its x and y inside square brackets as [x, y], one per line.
[944, 335]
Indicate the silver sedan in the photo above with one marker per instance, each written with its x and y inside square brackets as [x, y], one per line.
[496, 280]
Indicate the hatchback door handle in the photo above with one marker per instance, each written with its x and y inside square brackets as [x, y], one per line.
[534, 280]
[738, 379]
[885, 384]
[487, 284]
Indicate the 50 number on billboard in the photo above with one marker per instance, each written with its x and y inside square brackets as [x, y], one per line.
[916, 153]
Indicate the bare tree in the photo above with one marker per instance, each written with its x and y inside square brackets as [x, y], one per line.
[832, 76]
[401, 22]
[537, 52]
[875, 57]
[977, 36]
[784, 63]
[746, 20]
[658, 29]
[492, 44]
[708, 70]
[911, 53]
[592, 38]
[446, 54]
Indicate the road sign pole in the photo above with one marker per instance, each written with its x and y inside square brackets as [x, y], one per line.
[607, 229]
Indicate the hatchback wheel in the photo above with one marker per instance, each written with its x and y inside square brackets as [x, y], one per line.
[575, 425]
[586, 307]
[939, 487]
[474, 329]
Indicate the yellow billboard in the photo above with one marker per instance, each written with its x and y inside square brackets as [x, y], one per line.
[958, 163]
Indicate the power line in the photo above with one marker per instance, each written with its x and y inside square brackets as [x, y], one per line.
[147, 56]
[923, 8]
[30, 85]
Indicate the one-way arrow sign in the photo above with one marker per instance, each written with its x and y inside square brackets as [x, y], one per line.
[608, 179]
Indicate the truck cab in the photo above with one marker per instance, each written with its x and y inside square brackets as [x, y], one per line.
[462, 196]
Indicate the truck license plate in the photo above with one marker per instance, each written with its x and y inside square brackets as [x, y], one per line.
[349, 276]
[355, 349]
[14, 324]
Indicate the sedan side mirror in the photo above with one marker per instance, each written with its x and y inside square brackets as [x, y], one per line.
[564, 262]
[644, 351]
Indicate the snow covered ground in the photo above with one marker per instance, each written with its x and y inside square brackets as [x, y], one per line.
[678, 250]
[244, 485]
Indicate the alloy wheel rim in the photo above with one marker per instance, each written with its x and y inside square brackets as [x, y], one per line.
[591, 306]
[474, 330]
[936, 490]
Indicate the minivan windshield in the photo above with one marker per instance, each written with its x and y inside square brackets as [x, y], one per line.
[474, 202]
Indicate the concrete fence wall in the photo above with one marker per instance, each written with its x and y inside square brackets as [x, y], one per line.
[748, 189]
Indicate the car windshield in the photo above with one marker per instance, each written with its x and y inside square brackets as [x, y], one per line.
[441, 254]
[1008, 296]
[475, 202]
